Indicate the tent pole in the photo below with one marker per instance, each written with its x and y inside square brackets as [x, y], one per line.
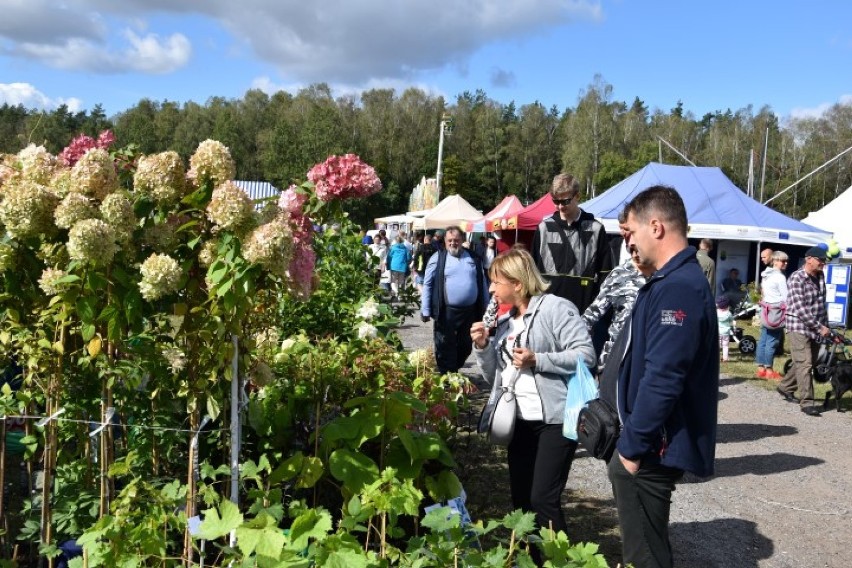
[812, 172]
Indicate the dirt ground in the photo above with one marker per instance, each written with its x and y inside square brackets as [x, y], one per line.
[780, 497]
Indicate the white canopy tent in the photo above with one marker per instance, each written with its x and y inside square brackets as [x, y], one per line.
[834, 219]
[402, 219]
[452, 210]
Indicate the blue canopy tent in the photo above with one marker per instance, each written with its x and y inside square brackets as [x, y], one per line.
[715, 207]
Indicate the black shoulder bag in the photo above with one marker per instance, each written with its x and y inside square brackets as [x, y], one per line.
[598, 424]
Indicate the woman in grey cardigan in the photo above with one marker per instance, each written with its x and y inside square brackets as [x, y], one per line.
[542, 337]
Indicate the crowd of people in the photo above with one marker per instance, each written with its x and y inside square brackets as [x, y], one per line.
[529, 316]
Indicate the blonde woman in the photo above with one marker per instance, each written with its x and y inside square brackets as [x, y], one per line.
[543, 337]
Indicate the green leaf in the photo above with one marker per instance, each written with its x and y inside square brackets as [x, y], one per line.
[355, 470]
[86, 309]
[224, 287]
[272, 543]
[520, 522]
[312, 471]
[288, 469]
[313, 523]
[213, 408]
[114, 328]
[353, 508]
[441, 519]
[218, 273]
[215, 526]
[346, 559]
[445, 486]
[68, 279]
[97, 283]
[108, 312]
[247, 539]
[88, 331]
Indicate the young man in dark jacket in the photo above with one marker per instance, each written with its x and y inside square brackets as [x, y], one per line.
[570, 247]
[668, 383]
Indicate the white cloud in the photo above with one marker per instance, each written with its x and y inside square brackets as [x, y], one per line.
[819, 110]
[145, 54]
[336, 41]
[350, 42]
[45, 22]
[31, 98]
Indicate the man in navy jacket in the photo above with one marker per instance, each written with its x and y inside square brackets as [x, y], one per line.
[668, 384]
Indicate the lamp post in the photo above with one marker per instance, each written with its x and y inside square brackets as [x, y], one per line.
[445, 120]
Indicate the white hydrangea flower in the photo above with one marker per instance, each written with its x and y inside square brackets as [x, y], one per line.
[91, 241]
[27, 209]
[74, 207]
[37, 164]
[271, 246]
[175, 358]
[117, 212]
[368, 310]
[61, 182]
[161, 275]
[207, 254]
[160, 177]
[94, 174]
[230, 207]
[212, 162]
[49, 281]
[367, 331]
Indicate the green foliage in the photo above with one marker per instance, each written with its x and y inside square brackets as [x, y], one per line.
[142, 527]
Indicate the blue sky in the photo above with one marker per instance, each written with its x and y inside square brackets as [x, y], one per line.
[790, 55]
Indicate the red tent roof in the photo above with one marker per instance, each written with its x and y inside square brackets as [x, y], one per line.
[510, 206]
[529, 217]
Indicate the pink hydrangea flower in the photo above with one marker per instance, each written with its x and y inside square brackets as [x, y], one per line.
[301, 270]
[292, 201]
[82, 144]
[344, 177]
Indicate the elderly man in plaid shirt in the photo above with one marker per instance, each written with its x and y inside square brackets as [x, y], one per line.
[806, 324]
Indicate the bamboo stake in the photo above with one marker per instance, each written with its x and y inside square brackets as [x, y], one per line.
[190, 488]
[28, 431]
[3, 519]
[103, 507]
[50, 447]
[155, 456]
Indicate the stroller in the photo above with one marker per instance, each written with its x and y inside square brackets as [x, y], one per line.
[747, 344]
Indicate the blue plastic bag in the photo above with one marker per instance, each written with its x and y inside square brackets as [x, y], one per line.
[582, 387]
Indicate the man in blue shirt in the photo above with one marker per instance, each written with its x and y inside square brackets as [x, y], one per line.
[668, 380]
[455, 296]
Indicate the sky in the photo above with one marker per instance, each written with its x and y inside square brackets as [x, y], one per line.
[793, 56]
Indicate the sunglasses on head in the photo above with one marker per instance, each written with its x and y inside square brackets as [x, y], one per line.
[563, 201]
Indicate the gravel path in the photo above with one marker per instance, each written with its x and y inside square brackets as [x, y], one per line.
[782, 489]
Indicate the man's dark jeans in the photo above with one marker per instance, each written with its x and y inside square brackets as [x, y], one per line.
[452, 337]
[644, 502]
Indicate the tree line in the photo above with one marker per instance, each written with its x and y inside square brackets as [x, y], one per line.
[491, 149]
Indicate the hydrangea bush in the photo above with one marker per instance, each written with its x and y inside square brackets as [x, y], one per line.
[127, 282]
